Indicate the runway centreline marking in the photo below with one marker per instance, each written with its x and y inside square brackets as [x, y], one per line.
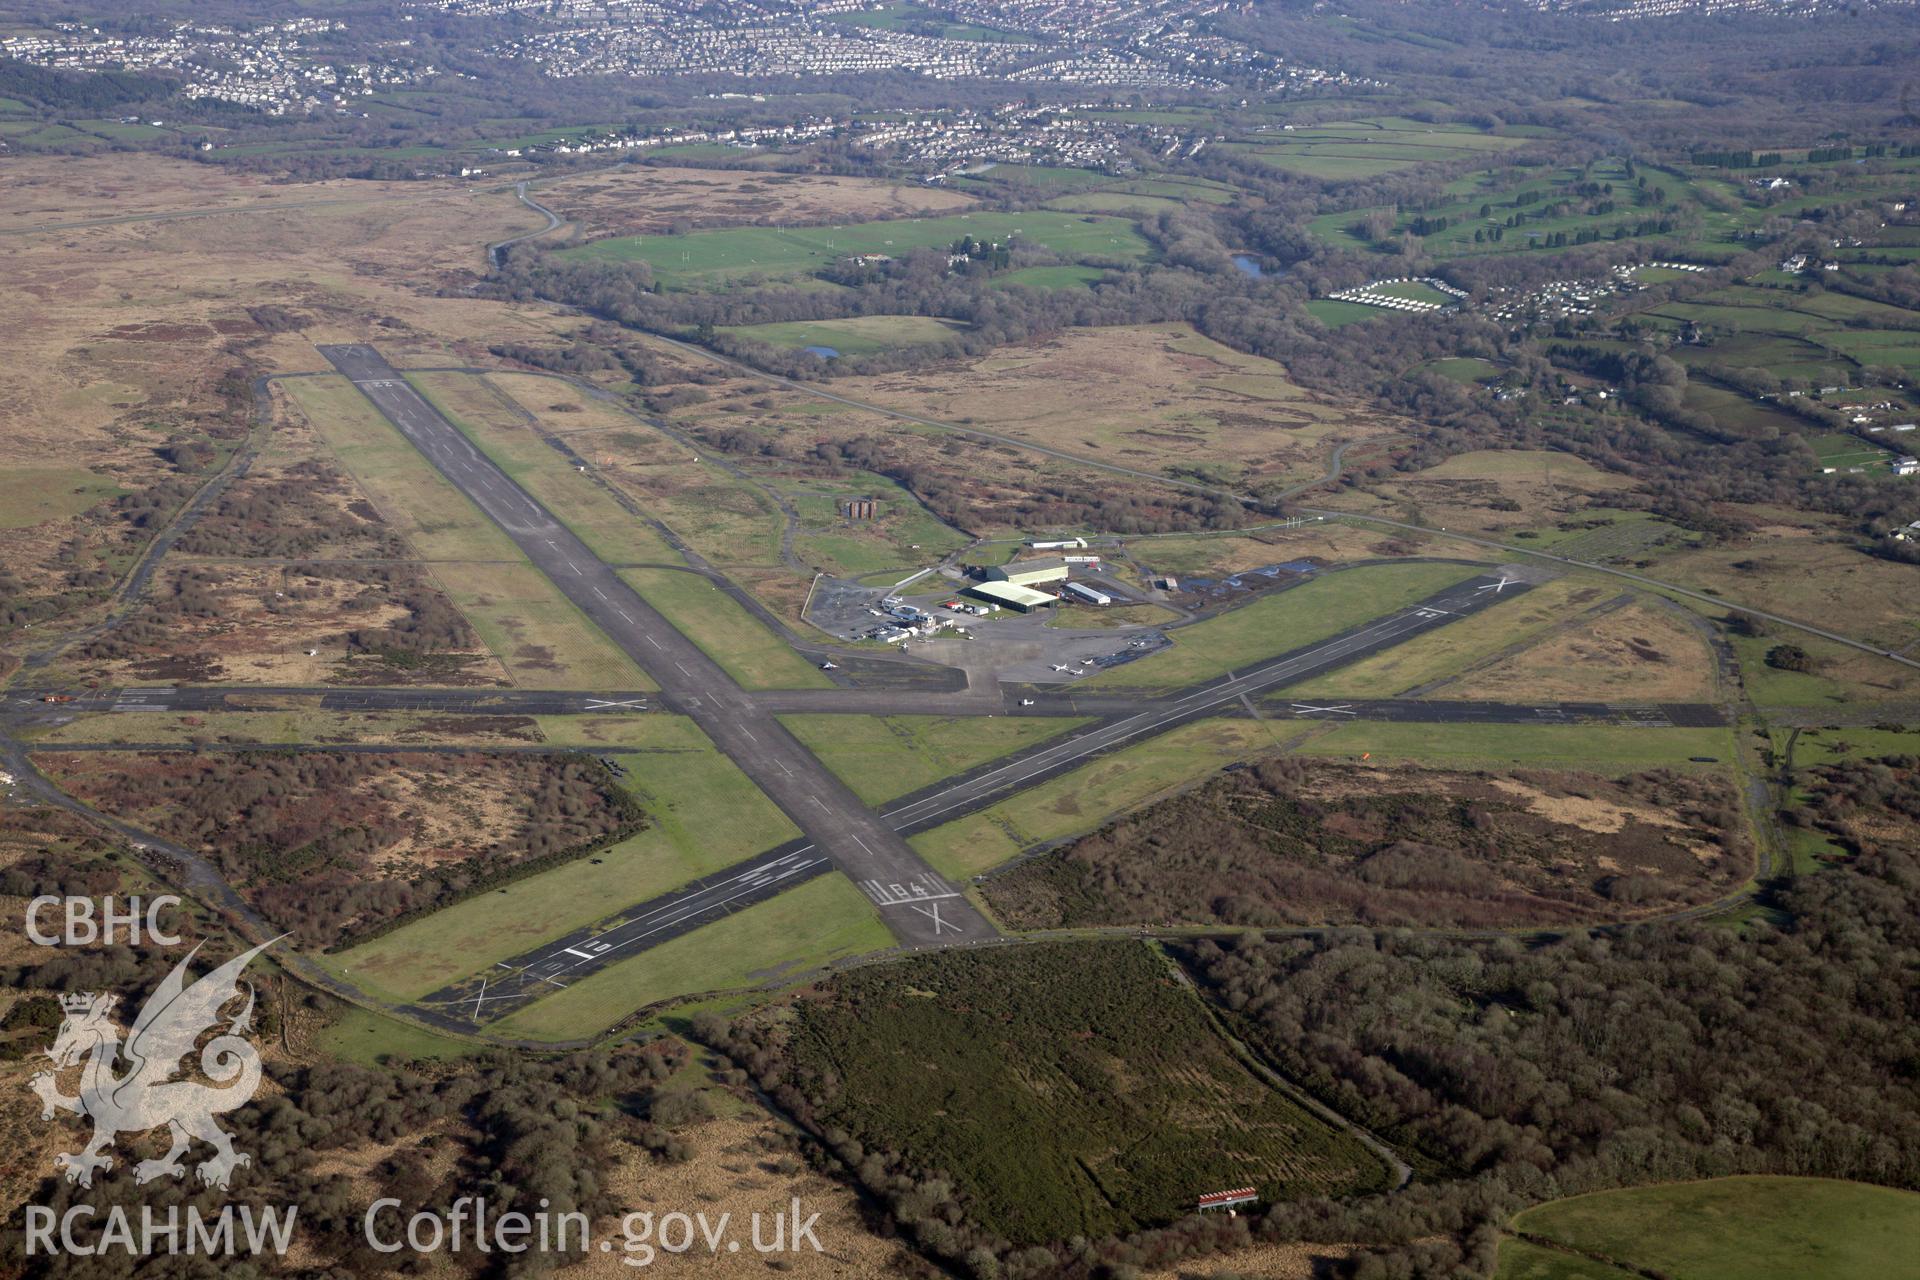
[1185, 705]
[679, 917]
[779, 868]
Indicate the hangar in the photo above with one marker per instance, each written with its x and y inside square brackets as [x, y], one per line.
[1026, 573]
[1010, 595]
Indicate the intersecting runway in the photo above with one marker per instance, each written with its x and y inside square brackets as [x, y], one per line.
[843, 829]
[839, 831]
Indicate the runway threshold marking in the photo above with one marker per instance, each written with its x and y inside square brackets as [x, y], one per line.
[932, 912]
[896, 894]
[754, 881]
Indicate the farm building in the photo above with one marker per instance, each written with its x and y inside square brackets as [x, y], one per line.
[1010, 594]
[1025, 573]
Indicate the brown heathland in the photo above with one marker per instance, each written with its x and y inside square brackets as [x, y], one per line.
[1288, 842]
[634, 200]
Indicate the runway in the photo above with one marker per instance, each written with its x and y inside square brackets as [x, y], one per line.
[924, 910]
[755, 879]
[28, 704]
[839, 831]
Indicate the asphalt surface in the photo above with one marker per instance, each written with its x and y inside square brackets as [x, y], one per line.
[917, 905]
[513, 983]
[553, 220]
[944, 803]
[840, 832]
[755, 879]
[29, 705]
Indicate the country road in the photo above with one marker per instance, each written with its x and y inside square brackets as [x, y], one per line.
[553, 220]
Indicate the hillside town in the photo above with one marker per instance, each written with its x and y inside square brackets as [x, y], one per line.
[1093, 42]
[275, 68]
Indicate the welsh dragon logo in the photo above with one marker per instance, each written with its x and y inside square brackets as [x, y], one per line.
[146, 1095]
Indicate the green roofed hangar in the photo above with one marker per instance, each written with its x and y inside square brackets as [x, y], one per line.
[1027, 573]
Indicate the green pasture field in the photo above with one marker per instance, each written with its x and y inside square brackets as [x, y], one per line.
[1819, 335]
[1333, 165]
[1787, 357]
[1732, 408]
[724, 630]
[884, 757]
[1117, 202]
[703, 258]
[1842, 449]
[140, 132]
[1189, 190]
[1334, 314]
[1070, 1089]
[1273, 624]
[704, 814]
[861, 336]
[1878, 347]
[1744, 1228]
[1399, 140]
[32, 135]
[1520, 1260]
[36, 495]
[807, 927]
[1044, 177]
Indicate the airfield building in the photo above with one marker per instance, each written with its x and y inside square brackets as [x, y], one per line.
[1087, 595]
[1027, 573]
[1010, 595]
